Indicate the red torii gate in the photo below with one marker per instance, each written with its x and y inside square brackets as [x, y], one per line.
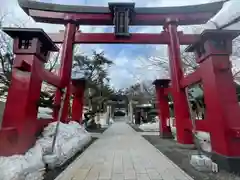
[121, 15]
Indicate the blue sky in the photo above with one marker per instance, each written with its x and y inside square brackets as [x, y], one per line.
[131, 62]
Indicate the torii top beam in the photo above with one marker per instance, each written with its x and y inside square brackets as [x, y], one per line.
[97, 15]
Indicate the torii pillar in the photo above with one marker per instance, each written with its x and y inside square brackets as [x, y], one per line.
[223, 113]
[78, 86]
[65, 71]
[181, 109]
[161, 86]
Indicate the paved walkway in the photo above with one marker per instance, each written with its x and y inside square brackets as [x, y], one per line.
[120, 154]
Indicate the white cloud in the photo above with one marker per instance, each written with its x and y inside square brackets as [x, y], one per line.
[120, 77]
[93, 29]
[121, 61]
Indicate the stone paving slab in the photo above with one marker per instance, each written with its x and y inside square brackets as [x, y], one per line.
[122, 154]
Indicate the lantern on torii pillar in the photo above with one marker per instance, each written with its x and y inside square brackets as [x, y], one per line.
[31, 48]
[213, 50]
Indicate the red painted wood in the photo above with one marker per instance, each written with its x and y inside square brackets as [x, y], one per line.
[191, 79]
[21, 106]
[78, 88]
[77, 107]
[222, 106]
[135, 38]
[106, 19]
[181, 110]
[163, 112]
[66, 67]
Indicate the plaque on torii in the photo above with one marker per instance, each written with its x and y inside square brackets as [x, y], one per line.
[122, 14]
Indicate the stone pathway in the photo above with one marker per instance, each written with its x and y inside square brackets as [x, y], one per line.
[122, 154]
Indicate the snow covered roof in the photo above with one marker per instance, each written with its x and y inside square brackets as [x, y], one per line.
[228, 16]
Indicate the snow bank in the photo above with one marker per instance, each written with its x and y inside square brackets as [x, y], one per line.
[103, 120]
[23, 167]
[204, 140]
[72, 137]
[150, 126]
[44, 113]
[203, 163]
[202, 137]
[228, 13]
[155, 125]
[174, 132]
[111, 121]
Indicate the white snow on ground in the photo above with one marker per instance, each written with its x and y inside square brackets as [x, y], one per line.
[204, 140]
[44, 113]
[150, 126]
[103, 122]
[203, 163]
[103, 119]
[23, 167]
[72, 137]
[203, 137]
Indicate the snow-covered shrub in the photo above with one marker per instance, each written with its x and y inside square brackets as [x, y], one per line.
[71, 138]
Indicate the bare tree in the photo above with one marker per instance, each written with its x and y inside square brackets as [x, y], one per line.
[6, 63]
[235, 58]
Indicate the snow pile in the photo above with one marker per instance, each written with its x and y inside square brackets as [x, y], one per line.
[71, 138]
[155, 126]
[203, 163]
[204, 140]
[174, 132]
[150, 126]
[23, 167]
[227, 14]
[103, 120]
[44, 113]
[202, 137]
[111, 121]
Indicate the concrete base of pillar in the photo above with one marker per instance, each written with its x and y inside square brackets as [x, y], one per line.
[230, 164]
